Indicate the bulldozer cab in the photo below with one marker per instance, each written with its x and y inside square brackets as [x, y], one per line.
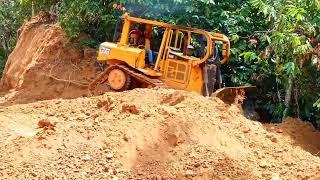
[132, 32]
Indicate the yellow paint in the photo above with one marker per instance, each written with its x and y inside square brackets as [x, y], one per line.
[177, 70]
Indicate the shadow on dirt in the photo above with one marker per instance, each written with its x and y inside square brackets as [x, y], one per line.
[157, 160]
[25, 96]
[300, 133]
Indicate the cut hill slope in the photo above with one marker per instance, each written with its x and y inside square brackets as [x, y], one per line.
[150, 134]
[45, 65]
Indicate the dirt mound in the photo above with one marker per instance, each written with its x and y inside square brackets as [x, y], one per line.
[299, 133]
[150, 134]
[44, 65]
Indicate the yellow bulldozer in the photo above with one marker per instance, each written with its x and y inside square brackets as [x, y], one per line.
[148, 54]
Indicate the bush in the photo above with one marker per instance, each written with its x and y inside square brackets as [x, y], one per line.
[95, 18]
[2, 61]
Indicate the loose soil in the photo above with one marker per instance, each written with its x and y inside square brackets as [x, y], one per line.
[135, 135]
[46, 65]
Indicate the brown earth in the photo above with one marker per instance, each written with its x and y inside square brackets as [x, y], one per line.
[197, 138]
[45, 65]
[139, 134]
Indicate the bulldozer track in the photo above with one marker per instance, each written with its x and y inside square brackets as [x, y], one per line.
[141, 77]
[150, 82]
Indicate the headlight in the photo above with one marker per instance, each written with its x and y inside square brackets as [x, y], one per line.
[104, 50]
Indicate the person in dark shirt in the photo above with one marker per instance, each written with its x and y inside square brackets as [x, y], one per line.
[135, 35]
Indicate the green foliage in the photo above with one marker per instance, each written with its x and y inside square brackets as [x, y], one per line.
[87, 42]
[12, 15]
[292, 46]
[2, 60]
[317, 104]
[39, 5]
[95, 18]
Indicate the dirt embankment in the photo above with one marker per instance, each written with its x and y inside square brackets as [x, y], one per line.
[45, 65]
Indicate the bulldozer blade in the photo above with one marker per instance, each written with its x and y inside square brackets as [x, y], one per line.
[234, 95]
[246, 96]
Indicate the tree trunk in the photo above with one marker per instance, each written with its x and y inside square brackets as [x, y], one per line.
[288, 97]
[296, 99]
[5, 46]
[32, 6]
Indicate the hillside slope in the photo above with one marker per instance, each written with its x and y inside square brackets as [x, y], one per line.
[46, 65]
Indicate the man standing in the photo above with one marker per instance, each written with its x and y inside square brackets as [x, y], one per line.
[148, 36]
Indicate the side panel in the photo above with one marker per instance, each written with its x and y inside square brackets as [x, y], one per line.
[196, 80]
[134, 57]
[176, 73]
[182, 75]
